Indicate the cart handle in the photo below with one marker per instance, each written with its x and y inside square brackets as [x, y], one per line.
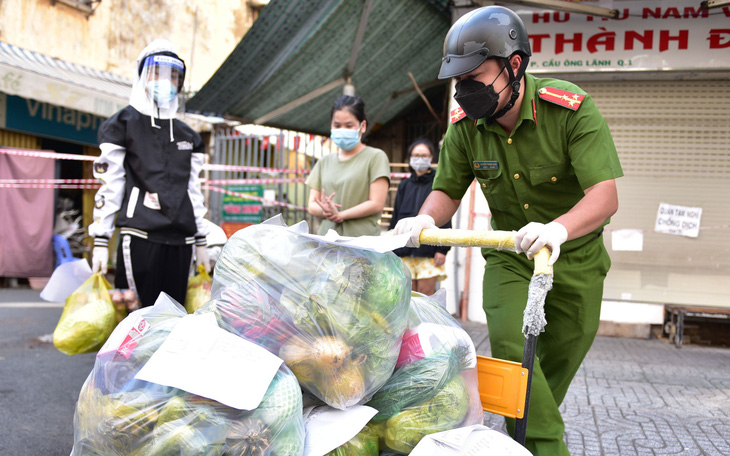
[500, 240]
[534, 315]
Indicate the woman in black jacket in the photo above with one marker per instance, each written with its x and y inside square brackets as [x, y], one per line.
[426, 262]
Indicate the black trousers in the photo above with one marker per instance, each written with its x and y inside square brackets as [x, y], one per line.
[149, 268]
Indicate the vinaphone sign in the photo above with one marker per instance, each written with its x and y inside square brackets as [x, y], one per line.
[648, 35]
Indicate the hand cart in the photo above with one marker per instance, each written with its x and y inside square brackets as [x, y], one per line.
[504, 386]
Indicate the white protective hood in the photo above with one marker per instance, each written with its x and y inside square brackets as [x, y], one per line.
[140, 98]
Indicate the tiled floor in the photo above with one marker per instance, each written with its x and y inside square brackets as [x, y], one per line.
[643, 397]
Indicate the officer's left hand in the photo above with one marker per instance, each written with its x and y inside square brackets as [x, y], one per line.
[201, 257]
[534, 236]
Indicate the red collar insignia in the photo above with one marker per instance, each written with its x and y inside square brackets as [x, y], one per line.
[457, 114]
[560, 97]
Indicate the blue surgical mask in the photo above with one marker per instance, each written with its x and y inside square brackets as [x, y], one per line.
[345, 138]
[162, 91]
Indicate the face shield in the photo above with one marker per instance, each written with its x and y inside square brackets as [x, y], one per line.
[163, 78]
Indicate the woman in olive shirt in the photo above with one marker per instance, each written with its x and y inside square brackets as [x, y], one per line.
[348, 189]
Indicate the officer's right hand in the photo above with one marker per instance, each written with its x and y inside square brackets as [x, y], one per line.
[99, 259]
[414, 226]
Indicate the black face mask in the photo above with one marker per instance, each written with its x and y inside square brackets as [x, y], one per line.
[477, 99]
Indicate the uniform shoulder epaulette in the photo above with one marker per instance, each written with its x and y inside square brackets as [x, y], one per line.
[457, 114]
[570, 100]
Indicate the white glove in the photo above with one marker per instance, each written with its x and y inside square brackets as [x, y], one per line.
[99, 259]
[201, 257]
[534, 236]
[414, 226]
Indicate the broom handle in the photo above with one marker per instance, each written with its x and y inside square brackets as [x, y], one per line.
[501, 240]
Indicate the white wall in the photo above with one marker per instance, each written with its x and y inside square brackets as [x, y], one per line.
[203, 32]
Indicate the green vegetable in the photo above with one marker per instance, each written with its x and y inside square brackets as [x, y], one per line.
[290, 441]
[173, 439]
[415, 382]
[282, 401]
[365, 443]
[444, 411]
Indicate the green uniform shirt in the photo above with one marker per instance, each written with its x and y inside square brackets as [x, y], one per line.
[350, 181]
[538, 172]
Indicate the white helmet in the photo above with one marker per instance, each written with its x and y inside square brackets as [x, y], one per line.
[160, 78]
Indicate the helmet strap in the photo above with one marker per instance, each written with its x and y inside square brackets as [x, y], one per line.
[514, 81]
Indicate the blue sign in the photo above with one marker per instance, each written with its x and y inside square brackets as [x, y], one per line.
[44, 119]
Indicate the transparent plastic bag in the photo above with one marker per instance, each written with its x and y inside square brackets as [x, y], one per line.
[88, 318]
[435, 387]
[199, 287]
[365, 443]
[117, 414]
[335, 314]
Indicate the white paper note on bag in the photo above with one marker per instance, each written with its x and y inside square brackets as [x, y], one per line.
[203, 359]
[380, 244]
[473, 440]
[327, 428]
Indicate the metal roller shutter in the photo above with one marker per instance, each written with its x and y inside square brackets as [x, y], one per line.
[19, 140]
[673, 138]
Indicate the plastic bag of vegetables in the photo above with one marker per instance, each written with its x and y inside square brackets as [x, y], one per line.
[435, 388]
[119, 415]
[88, 318]
[334, 313]
[365, 443]
[198, 290]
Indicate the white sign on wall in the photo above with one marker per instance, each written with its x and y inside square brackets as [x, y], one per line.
[648, 35]
[681, 220]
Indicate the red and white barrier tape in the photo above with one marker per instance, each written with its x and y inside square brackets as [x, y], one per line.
[63, 186]
[46, 154]
[94, 183]
[254, 198]
[74, 184]
[251, 181]
[208, 166]
[49, 181]
[216, 167]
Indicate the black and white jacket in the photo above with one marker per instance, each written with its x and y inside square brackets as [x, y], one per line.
[149, 169]
[149, 173]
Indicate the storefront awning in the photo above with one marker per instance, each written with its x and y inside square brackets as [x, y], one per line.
[39, 77]
[299, 54]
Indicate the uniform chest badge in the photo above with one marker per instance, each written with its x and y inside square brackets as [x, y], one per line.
[101, 167]
[457, 114]
[486, 164]
[570, 100]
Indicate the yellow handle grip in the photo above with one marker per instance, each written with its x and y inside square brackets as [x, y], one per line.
[501, 240]
[469, 238]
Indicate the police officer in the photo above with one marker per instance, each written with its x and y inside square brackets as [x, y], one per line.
[544, 158]
[149, 170]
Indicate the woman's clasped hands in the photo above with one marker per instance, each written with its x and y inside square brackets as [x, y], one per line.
[329, 207]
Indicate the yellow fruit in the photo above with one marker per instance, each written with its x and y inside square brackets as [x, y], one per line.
[343, 388]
